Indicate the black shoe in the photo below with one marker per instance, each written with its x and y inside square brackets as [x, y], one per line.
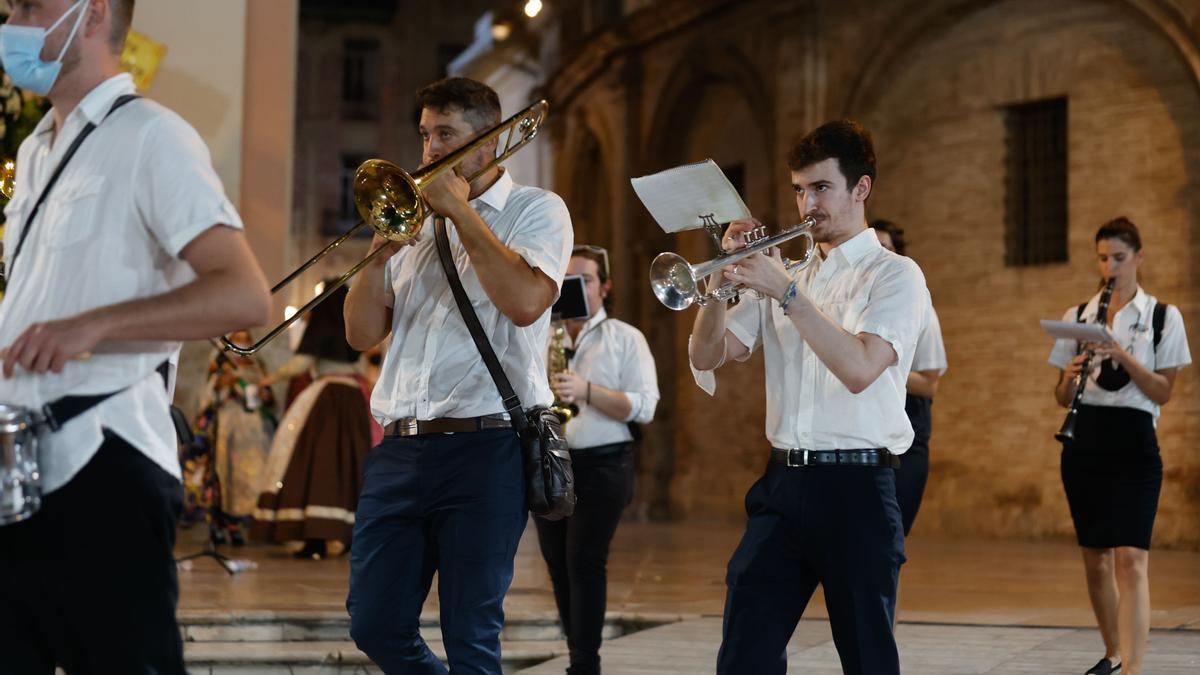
[1105, 667]
[237, 538]
[314, 549]
[216, 535]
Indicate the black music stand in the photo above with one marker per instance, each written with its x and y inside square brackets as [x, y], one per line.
[210, 551]
[210, 546]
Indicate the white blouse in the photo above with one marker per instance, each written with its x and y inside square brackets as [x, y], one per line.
[931, 350]
[1134, 332]
[614, 355]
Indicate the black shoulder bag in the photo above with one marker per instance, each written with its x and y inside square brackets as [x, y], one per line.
[549, 481]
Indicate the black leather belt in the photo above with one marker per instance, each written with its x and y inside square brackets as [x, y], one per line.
[598, 450]
[408, 426]
[797, 457]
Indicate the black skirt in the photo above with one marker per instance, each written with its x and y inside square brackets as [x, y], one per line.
[1112, 473]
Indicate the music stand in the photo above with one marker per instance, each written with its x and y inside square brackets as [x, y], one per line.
[215, 513]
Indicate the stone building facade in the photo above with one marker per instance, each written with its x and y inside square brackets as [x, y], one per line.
[359, 64]
[650, 85]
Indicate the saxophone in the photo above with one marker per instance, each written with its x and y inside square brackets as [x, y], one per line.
[556, 362]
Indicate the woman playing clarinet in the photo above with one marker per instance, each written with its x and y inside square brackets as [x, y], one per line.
[1111, 468]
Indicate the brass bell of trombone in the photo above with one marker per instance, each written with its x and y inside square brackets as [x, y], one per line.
[388, 199]
[8, 178]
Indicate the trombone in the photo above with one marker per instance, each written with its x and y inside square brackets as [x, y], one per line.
[8, 178]
[388, 199]
[676, 283]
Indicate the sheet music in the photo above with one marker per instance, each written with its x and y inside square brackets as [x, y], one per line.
[685, 197]
[1073, 330]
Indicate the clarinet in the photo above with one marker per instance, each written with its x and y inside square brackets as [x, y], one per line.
[1067, 432]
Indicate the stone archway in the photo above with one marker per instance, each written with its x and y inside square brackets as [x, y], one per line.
[927, 19]
[714, 104]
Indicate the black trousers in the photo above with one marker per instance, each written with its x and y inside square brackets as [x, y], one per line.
[89, 581]
[838, 526]
[576, 549]
[914, 464]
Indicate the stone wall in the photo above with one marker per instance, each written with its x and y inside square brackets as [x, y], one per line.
[678, 82]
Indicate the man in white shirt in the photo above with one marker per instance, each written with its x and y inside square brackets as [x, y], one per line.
[444, 491]
[928, 366]
[838, 341]
[613, 381]
[135, 248]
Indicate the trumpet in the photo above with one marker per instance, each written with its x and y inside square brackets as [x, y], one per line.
[676, 283]
[388, 199]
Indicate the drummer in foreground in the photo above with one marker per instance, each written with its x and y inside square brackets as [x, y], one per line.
[134, 248]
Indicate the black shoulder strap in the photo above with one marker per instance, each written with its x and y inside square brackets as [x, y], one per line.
[512, 403]
[59, 411]
[1079, 312]
[62, 164]
[1158, 319]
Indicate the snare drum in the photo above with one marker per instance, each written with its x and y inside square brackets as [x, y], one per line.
[20, 478]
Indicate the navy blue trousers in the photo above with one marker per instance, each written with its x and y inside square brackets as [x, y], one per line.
[837, 526]
[450, 503]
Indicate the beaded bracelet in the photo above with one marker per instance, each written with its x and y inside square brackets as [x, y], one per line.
[787, 298]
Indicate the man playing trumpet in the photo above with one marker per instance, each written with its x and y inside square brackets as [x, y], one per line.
[838, 339]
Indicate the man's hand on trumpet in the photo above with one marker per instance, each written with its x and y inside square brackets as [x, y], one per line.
[735, 235]
[763, 272]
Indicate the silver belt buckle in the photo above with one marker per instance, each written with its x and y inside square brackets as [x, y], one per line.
[803, 460]
[407, 426]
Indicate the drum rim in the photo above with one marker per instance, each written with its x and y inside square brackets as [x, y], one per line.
[16, 419]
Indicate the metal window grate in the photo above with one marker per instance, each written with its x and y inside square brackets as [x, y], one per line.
[360, 79]
[1035, 209]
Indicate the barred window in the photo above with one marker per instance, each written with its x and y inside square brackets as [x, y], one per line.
[360, 79]
[347, 212]
[1035, 204]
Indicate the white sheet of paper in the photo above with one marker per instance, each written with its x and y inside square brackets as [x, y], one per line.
[682, 197]
[1073, 330]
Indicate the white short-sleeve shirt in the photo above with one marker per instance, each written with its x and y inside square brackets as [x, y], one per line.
[139, 189]
[433, 368]
[1132, 326]
[930, 353]
[864, 288]
[614, 355]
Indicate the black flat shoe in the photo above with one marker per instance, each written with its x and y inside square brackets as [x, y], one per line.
[314, 549]
[1105, 667]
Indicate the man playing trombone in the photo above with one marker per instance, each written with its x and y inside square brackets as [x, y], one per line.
[838, 339]
[444, 491]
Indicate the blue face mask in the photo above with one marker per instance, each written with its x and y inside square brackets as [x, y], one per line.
[21, 52]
